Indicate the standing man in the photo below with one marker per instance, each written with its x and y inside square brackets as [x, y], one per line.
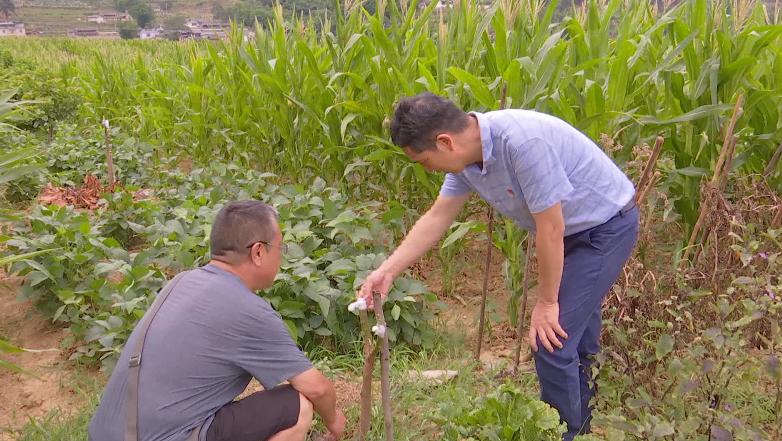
[210, 336]
[551, 180]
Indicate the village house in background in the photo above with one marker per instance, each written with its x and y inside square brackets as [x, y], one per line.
[146, 34]
[207, 30]
[12, 28]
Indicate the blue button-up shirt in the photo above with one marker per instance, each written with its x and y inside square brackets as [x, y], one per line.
[531, 161]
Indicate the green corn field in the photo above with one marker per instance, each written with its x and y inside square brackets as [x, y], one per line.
[298, 115]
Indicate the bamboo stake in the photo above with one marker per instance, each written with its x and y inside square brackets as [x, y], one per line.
[109, 156]
[370, 352]
[482, 319]
[646, 181]
[489, 246]
[523, 310]
[718, 170]
[385, 385]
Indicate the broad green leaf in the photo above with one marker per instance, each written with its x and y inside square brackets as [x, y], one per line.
[395, 311]
[664, 346]
[477, 87]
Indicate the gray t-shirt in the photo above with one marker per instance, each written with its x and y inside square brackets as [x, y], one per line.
[209, 338]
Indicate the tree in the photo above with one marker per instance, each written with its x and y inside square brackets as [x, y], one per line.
[128, 30]
[175, 22]
[142, 13]
[245, 12]
[7, 8]
[218, 11]
[123, 5]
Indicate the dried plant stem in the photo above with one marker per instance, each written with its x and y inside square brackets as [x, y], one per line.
[723, 182]
[737, 111]
[523, 309]
[385, 369]
[646, 182]
[727, 146]
[777, 221]
[773, 162]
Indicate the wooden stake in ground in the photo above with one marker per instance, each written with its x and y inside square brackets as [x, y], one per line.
[385, 366]
[482, 319]
[370, 351]
[109, 156]
[523, 310]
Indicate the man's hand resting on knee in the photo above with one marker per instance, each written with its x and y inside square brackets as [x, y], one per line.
[320, 391]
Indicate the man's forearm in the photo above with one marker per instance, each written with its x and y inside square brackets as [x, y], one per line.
[325, 405]
[551, 256]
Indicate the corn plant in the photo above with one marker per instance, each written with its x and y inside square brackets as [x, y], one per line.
[314, 95]
[452, 247]
[511, 240]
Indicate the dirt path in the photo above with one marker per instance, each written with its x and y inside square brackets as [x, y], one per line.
[25, 396]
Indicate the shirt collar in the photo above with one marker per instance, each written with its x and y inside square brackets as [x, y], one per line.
[487, 145]
[214, 269]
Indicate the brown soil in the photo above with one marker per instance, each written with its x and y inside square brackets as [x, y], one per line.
[464, 302]
[26, 396]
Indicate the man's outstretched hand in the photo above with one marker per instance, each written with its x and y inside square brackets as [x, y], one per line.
[380, 281]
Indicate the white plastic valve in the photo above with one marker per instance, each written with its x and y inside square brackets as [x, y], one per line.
[358, 305]
[379, 330]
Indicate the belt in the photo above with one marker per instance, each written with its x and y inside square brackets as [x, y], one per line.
[626, 209]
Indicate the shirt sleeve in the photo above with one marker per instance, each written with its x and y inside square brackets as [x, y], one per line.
[540, 174]
[454, 185]
[268, 352]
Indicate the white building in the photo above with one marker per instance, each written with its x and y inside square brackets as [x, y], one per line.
[194, 24]
[12, 28]
[207, 30]
[146, 34]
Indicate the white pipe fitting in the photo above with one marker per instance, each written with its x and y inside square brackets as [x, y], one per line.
[358, 305]
[379, 330]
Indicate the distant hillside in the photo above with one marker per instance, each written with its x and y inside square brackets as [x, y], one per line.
[57, 17]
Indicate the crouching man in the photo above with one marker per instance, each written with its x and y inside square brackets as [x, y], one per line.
[204, 338]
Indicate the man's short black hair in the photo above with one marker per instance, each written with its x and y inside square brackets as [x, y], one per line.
[239, 224]
[419, 119]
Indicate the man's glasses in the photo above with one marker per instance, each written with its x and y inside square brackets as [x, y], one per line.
[283, 246]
